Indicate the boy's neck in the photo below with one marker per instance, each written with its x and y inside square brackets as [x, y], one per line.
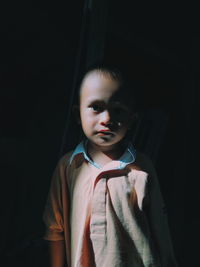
[104, 155]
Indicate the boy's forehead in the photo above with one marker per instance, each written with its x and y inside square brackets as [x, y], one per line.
[95, 78]
[103, 82]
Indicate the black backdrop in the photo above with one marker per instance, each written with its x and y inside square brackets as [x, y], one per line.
[40, 41]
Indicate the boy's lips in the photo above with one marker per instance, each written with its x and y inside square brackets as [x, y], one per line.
[105, 132]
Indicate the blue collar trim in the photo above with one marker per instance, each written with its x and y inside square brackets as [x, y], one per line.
[128, 157]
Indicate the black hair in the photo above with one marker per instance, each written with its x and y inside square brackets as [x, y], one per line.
[104, 69]
[117, 74]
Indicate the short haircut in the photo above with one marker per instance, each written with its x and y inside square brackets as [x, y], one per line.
[103, 69]
[115, 73]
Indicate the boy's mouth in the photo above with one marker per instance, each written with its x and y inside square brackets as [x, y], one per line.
[105, 132]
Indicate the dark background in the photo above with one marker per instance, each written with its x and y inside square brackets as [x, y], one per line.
[44, 47]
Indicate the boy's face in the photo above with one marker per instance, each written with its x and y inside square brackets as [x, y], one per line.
[105, 118]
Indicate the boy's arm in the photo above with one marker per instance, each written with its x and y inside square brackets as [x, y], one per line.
[157, 218]
[57, 253]
[159, 224]
[55, 217]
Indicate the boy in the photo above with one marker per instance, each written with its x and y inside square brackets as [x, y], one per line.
[104, 207]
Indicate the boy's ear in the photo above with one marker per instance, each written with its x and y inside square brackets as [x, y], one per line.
[76, 113]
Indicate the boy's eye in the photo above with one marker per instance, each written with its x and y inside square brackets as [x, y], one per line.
[97, 108]
[118, 110]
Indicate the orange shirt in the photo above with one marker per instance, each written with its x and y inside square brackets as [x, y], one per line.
[110, 216]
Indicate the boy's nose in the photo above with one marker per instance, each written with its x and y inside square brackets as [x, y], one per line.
[105, 118]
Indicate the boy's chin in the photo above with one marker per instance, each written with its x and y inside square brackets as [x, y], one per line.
[104, 142]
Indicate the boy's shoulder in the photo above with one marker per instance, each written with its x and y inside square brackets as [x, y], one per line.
[142, 158]
[65, 159]
[143, 163]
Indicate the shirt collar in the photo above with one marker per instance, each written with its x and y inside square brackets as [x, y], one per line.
[128, 157]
